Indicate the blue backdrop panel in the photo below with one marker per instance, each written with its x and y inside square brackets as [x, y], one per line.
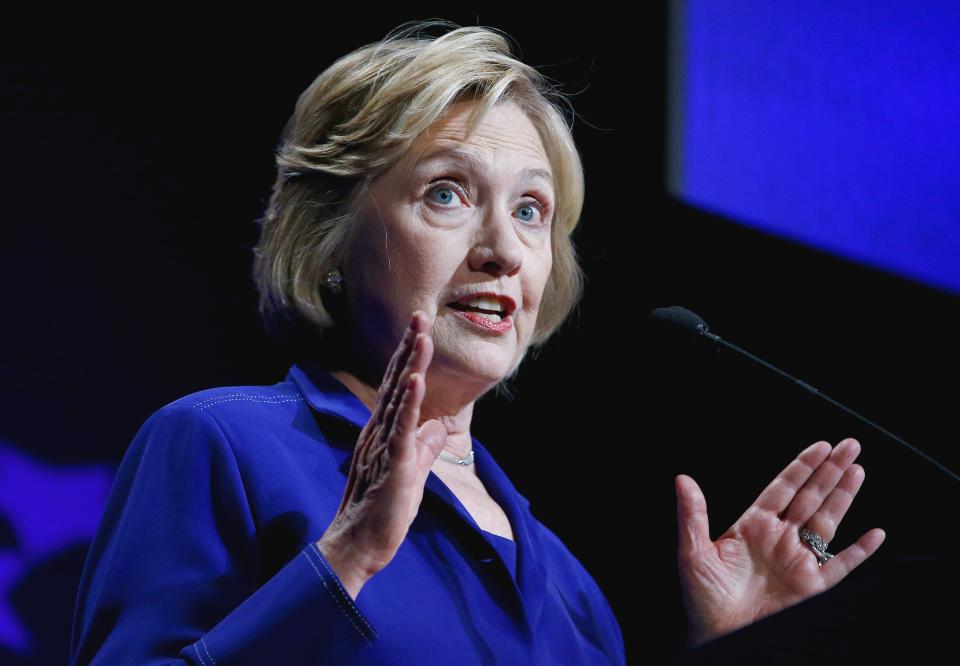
[834, 124]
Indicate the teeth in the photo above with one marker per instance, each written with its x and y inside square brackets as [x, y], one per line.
[487, 304]
[491, 317]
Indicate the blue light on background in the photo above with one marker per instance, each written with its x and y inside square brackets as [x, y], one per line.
[836, 125]
[44, 509]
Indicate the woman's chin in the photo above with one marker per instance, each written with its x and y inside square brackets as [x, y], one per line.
[462, 350]
[473, 364]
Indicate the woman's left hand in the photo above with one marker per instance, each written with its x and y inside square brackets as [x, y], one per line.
[760, 565]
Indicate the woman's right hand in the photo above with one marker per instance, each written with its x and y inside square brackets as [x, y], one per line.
[390, 465]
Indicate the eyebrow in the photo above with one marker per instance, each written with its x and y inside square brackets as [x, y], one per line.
[477, 163]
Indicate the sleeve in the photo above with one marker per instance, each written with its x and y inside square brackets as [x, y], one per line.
[170, 577]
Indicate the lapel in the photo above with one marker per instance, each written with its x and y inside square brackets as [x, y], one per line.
[531, 576]
[327, 394]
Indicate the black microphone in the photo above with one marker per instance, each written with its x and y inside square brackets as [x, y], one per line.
[685, 321]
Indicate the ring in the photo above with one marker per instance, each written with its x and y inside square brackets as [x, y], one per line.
[817, 544]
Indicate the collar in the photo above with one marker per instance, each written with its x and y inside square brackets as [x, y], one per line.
[327, 394]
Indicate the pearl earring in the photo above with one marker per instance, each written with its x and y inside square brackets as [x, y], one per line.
[334, 280]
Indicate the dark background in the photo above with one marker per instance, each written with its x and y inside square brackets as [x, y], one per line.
[135, 162]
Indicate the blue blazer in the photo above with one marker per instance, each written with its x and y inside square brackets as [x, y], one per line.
[206, 552]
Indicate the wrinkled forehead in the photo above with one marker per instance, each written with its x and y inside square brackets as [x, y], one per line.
[446, 141]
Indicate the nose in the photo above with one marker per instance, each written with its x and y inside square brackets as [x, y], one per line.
[497, 249]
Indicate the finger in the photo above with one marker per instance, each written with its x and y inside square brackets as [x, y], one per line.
[384, 449]
[397, 360]
[825, 521]
[371, 455]
[776, 497]
[692, 521]
[392, 376]
[431, 438]
[810, 497]
[836, 568]
[401, 443]
[418, 364]
[366, 452]
[392, 409]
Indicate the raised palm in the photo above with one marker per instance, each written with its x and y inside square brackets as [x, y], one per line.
[760, 565]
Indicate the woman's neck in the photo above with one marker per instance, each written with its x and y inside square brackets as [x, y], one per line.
[454, 416]
[448, 399]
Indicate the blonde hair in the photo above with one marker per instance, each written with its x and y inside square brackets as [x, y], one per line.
[359, 117]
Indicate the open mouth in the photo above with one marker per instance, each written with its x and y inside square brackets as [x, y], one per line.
[492, 315]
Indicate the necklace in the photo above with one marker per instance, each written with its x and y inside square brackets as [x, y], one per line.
[454, 459]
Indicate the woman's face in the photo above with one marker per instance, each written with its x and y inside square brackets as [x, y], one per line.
[457, 217]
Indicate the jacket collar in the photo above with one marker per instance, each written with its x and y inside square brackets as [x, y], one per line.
[327, 394]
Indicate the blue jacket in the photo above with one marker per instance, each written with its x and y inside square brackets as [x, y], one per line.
[206, 552]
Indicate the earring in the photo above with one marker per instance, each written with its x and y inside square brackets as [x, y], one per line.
[334, 280]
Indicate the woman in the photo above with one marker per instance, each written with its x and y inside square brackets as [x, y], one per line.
[416, 246]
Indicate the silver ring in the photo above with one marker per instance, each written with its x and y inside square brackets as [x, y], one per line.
[817, 544]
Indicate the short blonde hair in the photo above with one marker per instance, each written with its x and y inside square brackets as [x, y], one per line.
[358, 118]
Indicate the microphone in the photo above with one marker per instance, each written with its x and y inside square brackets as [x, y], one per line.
[682, 320]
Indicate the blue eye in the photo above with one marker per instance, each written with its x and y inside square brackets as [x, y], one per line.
[530, 208]
[448, 193]
[448, 198]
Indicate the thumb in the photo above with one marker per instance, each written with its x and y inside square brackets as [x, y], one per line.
[692, 522]
[432, 434]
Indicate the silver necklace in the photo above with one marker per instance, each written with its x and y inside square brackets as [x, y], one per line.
[454, 459]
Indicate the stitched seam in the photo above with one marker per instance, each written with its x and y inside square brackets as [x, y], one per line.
[241, 396]
[207, 650]
[335, 599]
[339, 589]
[251, 395]
[199, 656]
[217, 398]
[271, 401]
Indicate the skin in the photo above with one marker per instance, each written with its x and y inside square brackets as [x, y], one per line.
[428, 230]
[420, 368]
[417, 247]
[759, 566]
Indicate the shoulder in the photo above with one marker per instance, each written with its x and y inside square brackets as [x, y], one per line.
[588, 604]
[220, 418]
[562, 557]
[566, 570]
[237, 409]
[227, 401]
